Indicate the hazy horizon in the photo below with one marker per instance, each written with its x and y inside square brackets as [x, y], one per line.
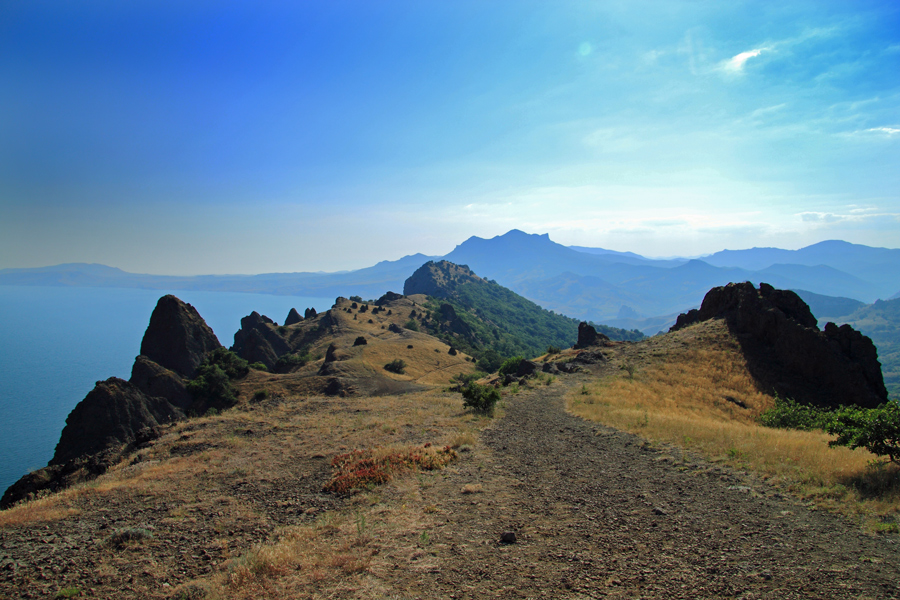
[212, 138]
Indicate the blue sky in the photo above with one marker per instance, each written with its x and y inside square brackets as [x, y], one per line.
[227, 137]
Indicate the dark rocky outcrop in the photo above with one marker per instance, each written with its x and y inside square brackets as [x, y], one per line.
[118, 415]
[388, 297]
[588, 336]
[439, 279]
[110, 415]
[786, 352]
[177, 338]
[258, 340]
[309, 313]
[527, 368]
[293, 317]
[155, 380]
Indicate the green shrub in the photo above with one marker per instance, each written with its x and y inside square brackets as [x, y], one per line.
[511, 365]
[259, 395]
[396, 366]
[875, 429]
[788, 414]
[553, 350]
[288, 362]
[411, 325]
[489, 361]
[233, 365]
[480, 398]
[259, 366]
[212, 386]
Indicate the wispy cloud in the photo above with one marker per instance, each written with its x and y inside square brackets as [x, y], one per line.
[736, 63]
[854, 215]
[891, 131]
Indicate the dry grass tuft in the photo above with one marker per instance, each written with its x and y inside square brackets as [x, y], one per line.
[363, 468]
[472, 488]
[705, 400]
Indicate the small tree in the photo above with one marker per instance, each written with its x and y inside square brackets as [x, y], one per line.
[511, 365]
[396, 366]
[875, 429]
[480, 398]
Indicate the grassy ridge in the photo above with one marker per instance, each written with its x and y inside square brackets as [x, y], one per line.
[700, 396]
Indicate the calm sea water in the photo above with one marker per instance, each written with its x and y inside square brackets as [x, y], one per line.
[56, 342]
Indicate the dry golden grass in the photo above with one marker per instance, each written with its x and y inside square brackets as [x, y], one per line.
[680, 398]
[42, 510]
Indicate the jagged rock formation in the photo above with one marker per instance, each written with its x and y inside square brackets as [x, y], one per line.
[155, 380]
[177, 338]
[117, 415]
[787, 353]
[258, 340]
[112, 413]
[588, 336]
[293, 317]
[309, 313]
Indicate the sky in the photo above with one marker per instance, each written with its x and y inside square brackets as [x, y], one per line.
[179, 137]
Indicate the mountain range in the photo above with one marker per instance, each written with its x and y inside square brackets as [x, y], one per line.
[622, 289]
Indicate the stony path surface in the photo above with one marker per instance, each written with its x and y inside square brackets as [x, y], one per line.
[600, 514]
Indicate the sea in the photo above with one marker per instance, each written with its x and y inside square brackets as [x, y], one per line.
[57, 342]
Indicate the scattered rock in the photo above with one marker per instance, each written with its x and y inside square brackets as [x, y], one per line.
[508, 537]
[360, 341]
[589, 358]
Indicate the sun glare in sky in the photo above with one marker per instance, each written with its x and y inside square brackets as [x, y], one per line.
[226, 137]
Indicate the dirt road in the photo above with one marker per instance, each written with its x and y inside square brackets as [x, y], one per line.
[600, 514]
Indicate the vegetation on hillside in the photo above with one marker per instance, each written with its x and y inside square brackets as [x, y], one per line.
[875, 429]
[212, 387]
[482, 317]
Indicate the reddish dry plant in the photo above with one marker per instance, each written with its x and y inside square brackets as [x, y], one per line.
[361, 468]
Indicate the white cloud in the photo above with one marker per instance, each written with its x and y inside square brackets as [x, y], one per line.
[885, 130]
[736, 63]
